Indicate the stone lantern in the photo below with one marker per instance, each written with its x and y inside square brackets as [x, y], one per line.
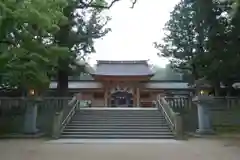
[30, 120]
[203, 102]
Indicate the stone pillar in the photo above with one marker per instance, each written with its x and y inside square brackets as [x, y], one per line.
[138, 98]
[204, 120]
[106, 97]
[57, 124]
[30, 120]
[179, 126]
[127, 100]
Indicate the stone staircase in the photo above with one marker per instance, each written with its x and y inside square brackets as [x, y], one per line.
[90, 123]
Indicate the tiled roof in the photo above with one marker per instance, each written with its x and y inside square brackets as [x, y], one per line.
[82, 76]
[149, 85]
[123, 68]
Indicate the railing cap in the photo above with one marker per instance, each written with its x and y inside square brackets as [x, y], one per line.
[57, 113]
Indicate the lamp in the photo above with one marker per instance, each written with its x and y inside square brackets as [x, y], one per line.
[236, 85]
[202, 92]
[32, 92]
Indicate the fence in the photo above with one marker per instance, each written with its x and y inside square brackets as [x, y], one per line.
[12, 113]
[225, 111]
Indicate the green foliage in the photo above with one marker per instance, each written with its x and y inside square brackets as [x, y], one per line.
[28, 54]
[166, 73]
[41, 37]
[84, 26]
[202, 41]
[235, 6]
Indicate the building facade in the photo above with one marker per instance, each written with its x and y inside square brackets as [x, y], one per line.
[123, 84]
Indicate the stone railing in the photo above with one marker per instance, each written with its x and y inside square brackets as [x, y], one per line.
[178, 104]
[174, 119]
[62, 117]
[185, 103]
[226, 103]
[223, 111]
[30, 115]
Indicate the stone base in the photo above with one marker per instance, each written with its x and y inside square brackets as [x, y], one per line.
[195, 135]
[32, 132]
[205, 132]
[30, 120]
[36, 135]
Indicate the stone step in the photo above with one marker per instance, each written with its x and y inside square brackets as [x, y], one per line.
[119, 117]
[133, 124]
[116, 133]
[118, 136]
[116, 111]
[118, 122]
[116, 129]
[118, 125]
[119, 111]
[110, 127]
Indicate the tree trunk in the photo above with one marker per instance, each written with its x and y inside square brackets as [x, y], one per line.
[217, 90]
[62, 37]
[62, 86]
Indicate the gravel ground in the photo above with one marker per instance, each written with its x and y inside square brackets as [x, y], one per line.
[193, 149]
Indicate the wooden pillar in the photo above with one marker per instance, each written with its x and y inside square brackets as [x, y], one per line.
[134, 98]
[106, 97]
[138, 97]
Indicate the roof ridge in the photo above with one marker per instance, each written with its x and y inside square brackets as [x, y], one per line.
[123, 68]
[122, 62]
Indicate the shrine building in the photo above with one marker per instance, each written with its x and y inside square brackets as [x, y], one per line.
[123, 84]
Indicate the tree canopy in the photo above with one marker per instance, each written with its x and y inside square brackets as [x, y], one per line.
[202, 40]
[45, 39]
[27, 52]
[166, 73]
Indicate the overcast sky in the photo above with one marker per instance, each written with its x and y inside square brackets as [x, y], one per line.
[134, 31]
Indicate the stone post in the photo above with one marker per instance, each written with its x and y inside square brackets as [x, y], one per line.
[203, 103]
[30, 119]
[179, 132]
[57, 124]
[127, 100]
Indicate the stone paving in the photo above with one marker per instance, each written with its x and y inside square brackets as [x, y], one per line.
[194, 149]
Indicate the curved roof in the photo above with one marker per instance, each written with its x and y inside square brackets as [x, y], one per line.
[149, 85]
[123, 68]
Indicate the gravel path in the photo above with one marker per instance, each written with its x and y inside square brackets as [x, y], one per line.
[194, 149]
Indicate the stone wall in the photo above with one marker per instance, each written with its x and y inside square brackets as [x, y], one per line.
[224, 113]
[14, 123]
[12, 114]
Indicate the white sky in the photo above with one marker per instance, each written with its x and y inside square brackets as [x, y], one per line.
[134, 31]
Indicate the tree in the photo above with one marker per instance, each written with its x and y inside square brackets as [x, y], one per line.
[235, 6]
[78, 35]
[198, 41]
[31, 48]
[167, 73]
[179, 43]
[221, 56]
[171, 74]
[28, 54]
